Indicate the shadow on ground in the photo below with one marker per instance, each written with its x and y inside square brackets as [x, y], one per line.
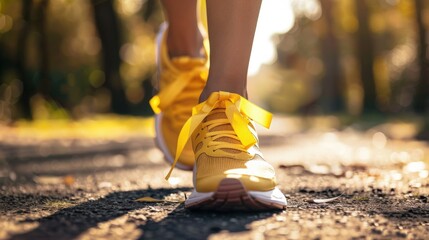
[184, 224]
[158, 221]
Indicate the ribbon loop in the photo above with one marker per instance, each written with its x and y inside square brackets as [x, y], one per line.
[170, 92]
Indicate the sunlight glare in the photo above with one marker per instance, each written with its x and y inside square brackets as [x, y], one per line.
[174, 181]
[413, 167]
[379, 140]
[276, 17]
[424, 174]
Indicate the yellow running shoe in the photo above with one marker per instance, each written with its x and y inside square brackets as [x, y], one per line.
[180, 83]
[230, 172]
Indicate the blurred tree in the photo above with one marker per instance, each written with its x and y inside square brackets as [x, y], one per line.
[107, 24]
[421, 97]
[21, 60]
[331, 96]
[365, 54]
[44, 83]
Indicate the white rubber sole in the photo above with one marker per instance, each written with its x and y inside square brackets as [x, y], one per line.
[231, 195]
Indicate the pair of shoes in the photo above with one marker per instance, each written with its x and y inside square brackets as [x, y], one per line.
[229, 170]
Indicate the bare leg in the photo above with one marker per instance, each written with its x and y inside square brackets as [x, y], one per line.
[184, 37]
[232, 25]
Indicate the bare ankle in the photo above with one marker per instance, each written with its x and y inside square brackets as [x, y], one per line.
[240, 90]
[185, 44]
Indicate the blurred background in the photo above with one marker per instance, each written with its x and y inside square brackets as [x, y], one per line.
[347, 80]
[351, 59]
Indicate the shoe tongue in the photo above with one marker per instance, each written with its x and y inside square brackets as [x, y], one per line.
[219, 113]
[187, 63]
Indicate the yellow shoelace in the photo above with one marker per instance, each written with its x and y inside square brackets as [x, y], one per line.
[170, 94]
[239, 112]
[217, 136]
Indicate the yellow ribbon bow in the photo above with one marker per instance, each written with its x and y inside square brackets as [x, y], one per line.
[169, 93]
[239, 112]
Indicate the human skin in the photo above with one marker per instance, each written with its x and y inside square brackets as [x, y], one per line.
[231, 29]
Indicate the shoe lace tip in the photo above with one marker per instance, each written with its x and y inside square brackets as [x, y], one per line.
[169, 172]
[154, 103]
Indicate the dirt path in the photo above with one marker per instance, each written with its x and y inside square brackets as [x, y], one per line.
[382, 186]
